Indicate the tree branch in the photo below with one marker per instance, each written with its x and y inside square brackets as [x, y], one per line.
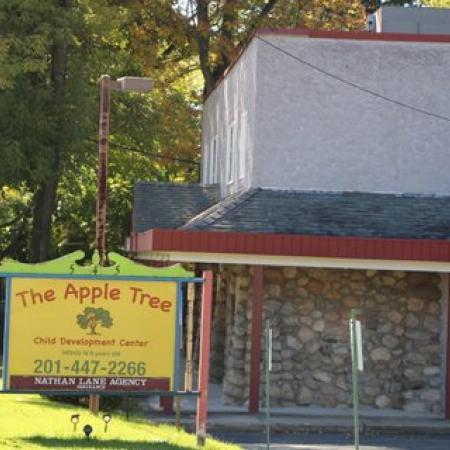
[9, 223]
[256, 22]
[227, 46]
[203, 38]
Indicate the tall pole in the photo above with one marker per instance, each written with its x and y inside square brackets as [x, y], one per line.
[135, 84]
[256, 333]
[355, 355]
[268, 370]
[189, 338]
[103, 148]
[102, 188]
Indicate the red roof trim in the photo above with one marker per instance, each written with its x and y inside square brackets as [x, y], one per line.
[165, 240]
[358, 35]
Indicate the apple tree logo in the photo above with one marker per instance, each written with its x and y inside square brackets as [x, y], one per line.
[93, 318]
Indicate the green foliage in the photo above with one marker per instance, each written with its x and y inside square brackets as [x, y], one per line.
[437, 3]
[210, 34]
[52, 135]
[52, 53]
[94, 317]
[14, 222]
[33, 119]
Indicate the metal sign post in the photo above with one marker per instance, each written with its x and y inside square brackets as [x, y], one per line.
[268, 370]
[189, 336]
[357, 366]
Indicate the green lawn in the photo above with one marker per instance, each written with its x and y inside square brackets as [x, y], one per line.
[33, 422]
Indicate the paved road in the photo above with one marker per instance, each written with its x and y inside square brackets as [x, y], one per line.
[254, 441]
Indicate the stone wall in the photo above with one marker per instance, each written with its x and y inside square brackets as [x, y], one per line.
[309, 311]
[237, 339]
[218, 333]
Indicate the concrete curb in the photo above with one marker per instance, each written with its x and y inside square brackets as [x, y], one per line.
[245, 423]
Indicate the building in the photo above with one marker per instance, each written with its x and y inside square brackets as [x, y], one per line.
[324, 188]
[422, 20]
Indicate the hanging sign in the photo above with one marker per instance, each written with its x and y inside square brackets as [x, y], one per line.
[91, 334]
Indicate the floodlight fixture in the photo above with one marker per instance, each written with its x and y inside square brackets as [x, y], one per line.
[107, 418]
[75, 418]
[134, 84]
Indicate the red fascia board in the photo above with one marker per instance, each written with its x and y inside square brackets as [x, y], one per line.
[357, 35]
[168, 240]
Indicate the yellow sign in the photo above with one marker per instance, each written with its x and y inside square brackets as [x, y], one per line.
[91, 334]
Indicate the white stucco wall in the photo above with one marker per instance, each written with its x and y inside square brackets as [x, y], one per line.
[315, 132]
[306, 130]
[227, 104]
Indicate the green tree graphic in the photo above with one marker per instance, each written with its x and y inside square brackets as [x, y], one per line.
[94, 317]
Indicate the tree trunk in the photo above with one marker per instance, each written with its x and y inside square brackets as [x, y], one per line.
[44, 200]
[203, 38]
[44, 203]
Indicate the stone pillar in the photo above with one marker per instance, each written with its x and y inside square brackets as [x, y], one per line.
[235, 380]
[218, 329]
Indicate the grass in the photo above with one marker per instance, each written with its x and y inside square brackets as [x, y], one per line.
[33, 422]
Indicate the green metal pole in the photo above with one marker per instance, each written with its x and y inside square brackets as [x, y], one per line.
[355, 378]
[268, 370]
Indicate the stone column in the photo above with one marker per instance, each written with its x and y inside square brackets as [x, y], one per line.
[235, 380]
[218, 329]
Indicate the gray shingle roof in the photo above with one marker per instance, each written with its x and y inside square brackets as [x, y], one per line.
[170, 205]
[331, 214]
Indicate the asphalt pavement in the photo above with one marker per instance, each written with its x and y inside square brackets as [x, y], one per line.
[257, 441]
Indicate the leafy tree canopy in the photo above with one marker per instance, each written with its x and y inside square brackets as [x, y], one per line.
[52, 53]
[210, 33]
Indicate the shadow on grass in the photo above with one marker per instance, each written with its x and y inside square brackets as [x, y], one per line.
[114, 444]
[41, 401]
[134, 415]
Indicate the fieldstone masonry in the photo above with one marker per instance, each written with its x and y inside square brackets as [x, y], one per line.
[216, 371]
[309, 311]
